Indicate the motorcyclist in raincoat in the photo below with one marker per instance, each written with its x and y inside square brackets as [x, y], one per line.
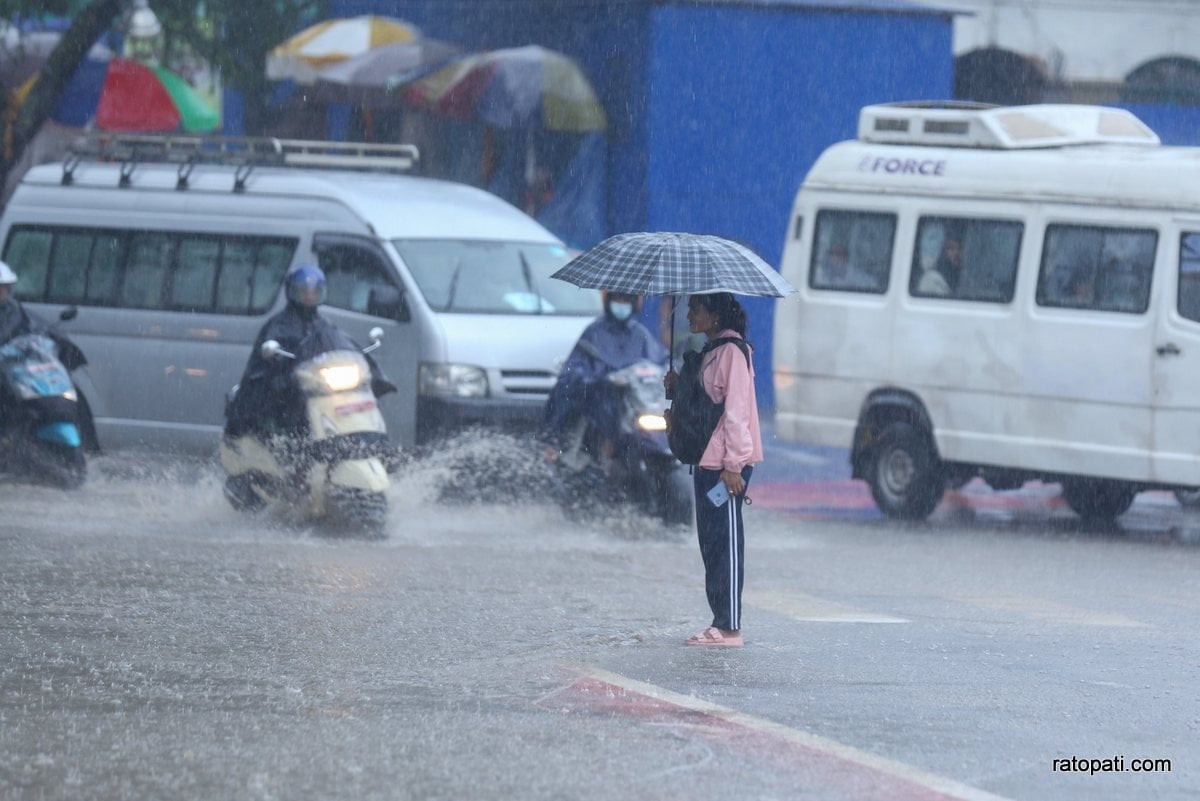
[611, 342]
[14, 320]
[267, 401]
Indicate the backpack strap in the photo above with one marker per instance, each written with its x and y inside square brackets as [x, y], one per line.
[742, 344]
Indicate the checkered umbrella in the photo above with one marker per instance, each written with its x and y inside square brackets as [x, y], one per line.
[667, 263]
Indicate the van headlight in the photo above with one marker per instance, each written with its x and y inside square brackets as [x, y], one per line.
[341, 377]
[454, 380]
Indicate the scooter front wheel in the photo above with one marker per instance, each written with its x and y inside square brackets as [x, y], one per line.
[675, 495]
[363, 511]
[62, 466]
[239, 491]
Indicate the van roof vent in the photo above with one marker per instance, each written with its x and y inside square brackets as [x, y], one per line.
[243, 151]
[977, 125]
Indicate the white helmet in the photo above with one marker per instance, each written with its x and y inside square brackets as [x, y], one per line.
[7, 276]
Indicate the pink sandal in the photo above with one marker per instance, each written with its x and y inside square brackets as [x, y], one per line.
[713, 636]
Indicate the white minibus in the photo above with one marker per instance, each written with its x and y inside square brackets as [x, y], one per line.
[174, 250]
[1005, 292]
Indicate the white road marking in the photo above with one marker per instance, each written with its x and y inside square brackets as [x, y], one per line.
[1051, 612]
[810, 609]
[856, 757]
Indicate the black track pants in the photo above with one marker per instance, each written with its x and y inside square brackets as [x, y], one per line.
[722, 546]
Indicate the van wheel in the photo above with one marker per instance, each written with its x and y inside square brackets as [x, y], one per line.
[907, 479]
[1097, 501]
[1188, 497]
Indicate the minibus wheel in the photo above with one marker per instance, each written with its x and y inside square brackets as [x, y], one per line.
[1188, 497]
[907, 479]
[1097, 501]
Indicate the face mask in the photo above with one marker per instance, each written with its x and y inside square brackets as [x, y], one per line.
[620, 311]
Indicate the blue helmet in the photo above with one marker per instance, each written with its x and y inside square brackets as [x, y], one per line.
[305, 285]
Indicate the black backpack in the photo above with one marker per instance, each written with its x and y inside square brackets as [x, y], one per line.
[694, 415]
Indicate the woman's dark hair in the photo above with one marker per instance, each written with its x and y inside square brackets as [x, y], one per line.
[728, 310]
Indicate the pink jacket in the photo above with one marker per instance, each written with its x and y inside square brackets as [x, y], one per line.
[737, 442]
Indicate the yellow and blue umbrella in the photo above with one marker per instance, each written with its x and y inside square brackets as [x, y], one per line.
[301, 57]
[518, 87]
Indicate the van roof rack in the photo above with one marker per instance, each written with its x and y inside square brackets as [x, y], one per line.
[980, 125]
[245, 152]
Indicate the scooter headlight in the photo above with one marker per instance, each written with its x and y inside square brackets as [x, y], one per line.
[341, 377]
[652, 422]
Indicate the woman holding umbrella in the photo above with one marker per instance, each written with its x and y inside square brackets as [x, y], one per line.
[723, 470]
[708, 269]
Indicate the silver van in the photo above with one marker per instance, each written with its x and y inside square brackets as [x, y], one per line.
[174, 250]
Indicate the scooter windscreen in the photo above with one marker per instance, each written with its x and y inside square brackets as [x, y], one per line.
[643, 395]
[31, 369]
[323, 338]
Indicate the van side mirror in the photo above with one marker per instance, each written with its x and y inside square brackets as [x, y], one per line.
[387, 301]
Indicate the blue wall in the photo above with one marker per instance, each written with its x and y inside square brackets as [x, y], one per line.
[1175, 125]
[742, 102]
[610, 41]
[715, 112]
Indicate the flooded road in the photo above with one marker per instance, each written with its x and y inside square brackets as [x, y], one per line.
[155, 644]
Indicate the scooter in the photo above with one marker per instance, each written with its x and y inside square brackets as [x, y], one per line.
[39, 409]
[634, 467]
[335, 470]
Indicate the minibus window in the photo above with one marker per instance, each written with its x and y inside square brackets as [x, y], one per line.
[1189, 276]
[237, 274]
[195, 276]
[229, 274]
[494, 277]
[28, 253]
[1097, 268]
[269, 268]
[563, 295]
[351, 272]
[966, 258]
[104, 269]
[852, 251]
[68, 268]
[146, 271]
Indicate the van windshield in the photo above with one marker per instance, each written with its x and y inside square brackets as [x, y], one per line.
[494, 277]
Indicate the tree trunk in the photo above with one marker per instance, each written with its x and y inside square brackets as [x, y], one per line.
[72, 49]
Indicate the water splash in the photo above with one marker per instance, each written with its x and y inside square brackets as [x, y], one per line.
[475, 481]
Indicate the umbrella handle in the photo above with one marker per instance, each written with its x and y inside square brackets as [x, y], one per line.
[671, 326]
[671, 353]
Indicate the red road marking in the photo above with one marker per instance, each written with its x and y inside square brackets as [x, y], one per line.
[821, 763]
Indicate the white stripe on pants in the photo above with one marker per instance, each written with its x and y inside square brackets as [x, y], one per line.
[722, 548]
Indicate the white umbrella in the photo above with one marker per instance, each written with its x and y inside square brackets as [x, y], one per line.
[301, 57]
[364, 79]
